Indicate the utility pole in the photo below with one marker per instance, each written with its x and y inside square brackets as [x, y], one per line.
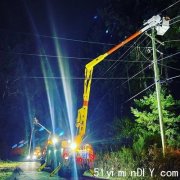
[158, 91]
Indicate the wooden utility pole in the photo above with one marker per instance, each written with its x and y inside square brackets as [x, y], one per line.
[158, 90]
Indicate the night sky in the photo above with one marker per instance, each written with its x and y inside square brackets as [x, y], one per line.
[21, 24]
[28, 30]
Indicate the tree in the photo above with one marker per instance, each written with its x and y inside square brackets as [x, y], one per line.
[122, 127]
[147, 120]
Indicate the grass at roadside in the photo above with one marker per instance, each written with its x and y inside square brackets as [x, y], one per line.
[8, 164]
[5, 175]
[6, 169]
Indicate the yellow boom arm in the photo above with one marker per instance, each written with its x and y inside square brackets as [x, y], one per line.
[83, 111]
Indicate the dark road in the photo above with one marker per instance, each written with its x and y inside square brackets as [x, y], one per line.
[28, 171]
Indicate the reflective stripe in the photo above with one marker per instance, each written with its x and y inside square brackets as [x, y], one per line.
[85, 103]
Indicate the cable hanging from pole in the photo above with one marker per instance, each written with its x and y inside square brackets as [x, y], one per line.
[170, 6]
[163, 81]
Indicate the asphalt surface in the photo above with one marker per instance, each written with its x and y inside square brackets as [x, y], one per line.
[28, 171]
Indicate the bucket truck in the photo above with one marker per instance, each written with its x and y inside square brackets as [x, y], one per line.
[83, 153]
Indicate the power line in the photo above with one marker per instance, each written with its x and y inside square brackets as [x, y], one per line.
[120, 85]
[170, 6]
[139, 93]
[150, 65]
[78, 78]
[141, 71]
[61, 38]
[169, 56]
[171, 20]
[173, 40]
[88, 58]
[113, 65]
[71, 39]
[147, 67]
[164, 81]
[174, 22]
[136, 60]
[132, 77]
[169, 67]
[153, 83]
[172, 77]
[175, 17]
[119, 59]
[43, 55]
[66, 57]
